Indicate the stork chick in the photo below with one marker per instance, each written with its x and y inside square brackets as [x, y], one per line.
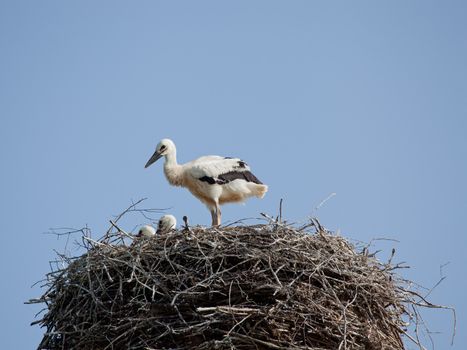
[214, 180]
[146, 231]
[166, 224]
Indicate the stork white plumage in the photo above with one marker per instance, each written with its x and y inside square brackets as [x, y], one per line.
[146, 231]
[166, 224]
[214, 180]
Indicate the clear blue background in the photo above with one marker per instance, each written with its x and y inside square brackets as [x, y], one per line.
[367, 99]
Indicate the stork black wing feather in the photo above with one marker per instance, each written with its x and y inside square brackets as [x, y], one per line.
[234, 175]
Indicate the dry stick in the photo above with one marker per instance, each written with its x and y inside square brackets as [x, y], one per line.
[433, 306]
[238, 324]
[413, 340]
[131, 207]
[324, 201]
[419, 320]
[436, 285]
[120, 230]
[228, 309]
[280, 211]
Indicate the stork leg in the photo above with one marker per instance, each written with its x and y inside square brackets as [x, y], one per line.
[215, 210]
[218, 214]
[213, 216]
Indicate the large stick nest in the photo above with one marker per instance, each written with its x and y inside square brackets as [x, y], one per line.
[247, 287]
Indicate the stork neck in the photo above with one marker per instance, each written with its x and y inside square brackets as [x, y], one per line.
[173, 171]
[171, 159]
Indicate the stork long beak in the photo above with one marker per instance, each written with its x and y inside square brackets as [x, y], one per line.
[153, 158]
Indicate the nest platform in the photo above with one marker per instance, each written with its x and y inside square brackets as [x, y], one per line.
[248, 287]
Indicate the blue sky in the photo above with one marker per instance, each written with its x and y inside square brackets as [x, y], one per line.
[365, 99]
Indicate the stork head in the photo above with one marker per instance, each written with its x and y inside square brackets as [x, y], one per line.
[146, 231]
[163, 148]
[166, 224]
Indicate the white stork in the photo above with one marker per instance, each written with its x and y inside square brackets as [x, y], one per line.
[166, 224]
[214, 180]
[146, 231]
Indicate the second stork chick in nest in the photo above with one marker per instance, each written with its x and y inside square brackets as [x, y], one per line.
[146, 231]
[166, 224]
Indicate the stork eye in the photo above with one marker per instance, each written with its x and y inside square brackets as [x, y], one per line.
[163, 147]
[140, 232]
